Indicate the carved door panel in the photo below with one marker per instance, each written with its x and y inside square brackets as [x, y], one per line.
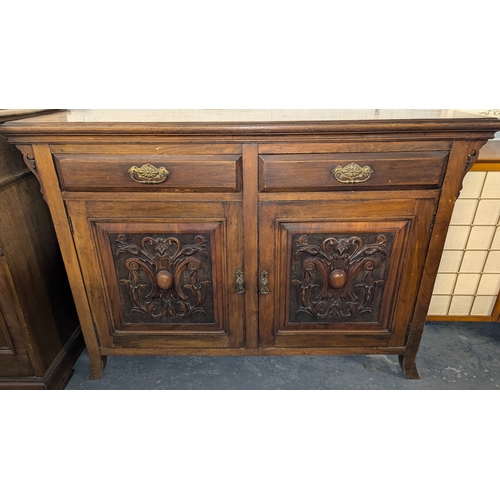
[342, 273]
[160, 275]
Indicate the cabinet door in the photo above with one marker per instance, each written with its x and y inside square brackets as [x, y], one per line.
[341, 273]
[159, 274]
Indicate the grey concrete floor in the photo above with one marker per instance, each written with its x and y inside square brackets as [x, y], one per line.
[462, 356]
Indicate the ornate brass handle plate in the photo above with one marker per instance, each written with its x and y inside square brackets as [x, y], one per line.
[352, 173]
[264, 282]
[148, 174]
[240, 282]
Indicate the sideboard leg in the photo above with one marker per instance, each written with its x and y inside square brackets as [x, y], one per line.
[409, 366]
[97, 367]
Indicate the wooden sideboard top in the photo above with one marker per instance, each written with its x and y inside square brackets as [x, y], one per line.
[249, 122]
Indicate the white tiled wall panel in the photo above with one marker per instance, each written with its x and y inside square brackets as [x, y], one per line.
[439, 305]
[487, 213]
[460, 305]
[451, 261]
[466, 284]
[480, 237]
[493, 262]
[457, 237]
[483, 305]
[495, 244]
[491, 186]
[468, 280]
[473, 185]
[464, 211]
[473, 261]
[489, 284]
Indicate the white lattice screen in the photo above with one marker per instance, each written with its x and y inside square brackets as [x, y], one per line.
[468, 281]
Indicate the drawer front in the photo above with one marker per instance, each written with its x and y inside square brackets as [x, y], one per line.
[352, 171]
[195, 173]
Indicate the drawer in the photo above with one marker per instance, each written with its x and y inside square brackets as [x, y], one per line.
[128, 172]
[352, 171]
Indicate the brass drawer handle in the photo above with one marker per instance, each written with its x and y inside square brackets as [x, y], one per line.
[264, 282]
[148, 174]
[352, 173]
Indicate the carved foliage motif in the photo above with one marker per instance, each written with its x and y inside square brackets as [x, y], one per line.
[339, 278]
[166, 278]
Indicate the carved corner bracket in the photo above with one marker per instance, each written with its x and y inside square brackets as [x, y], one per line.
[473, 154]
[471, 159]
[29, 160]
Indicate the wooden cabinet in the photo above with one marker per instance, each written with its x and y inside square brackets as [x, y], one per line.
[251, 236]
[40, 338]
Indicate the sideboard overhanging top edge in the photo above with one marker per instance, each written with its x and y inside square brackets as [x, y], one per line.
[218, 124]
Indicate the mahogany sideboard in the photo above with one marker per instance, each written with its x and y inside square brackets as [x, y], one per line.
[251, 232]
[40, 338]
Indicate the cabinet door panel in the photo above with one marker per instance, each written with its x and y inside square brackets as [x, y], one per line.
[344, 276]
[338, 272]
[161, 281]
[163, 274]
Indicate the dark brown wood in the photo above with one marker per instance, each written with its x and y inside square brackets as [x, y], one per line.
[62, 227]
[127, 125]
[306, 172]
[227, 351]
[251, 244]
[287, 223]
[335, 145]
[89, 172]
[40, 338]
[233, 255]
[160, 148]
